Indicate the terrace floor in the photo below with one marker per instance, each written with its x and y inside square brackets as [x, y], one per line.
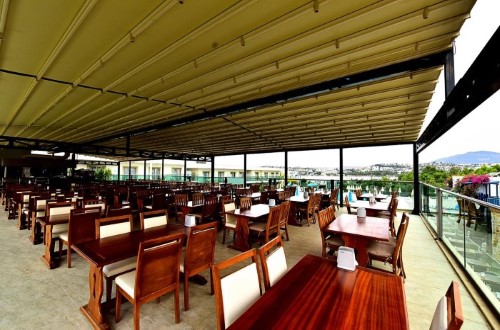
[34, 297]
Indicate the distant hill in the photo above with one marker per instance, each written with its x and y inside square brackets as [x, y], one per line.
[476, 157]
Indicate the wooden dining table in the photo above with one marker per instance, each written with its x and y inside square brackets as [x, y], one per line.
[295, 201]
[315, 294]
[108, 250]
[357, 233]
[242, 218]
[371, 208]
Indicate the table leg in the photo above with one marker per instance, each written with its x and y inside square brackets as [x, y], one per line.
[49, 247]
[360, 245]
[241, 234]
[35, 231]
[93, 310]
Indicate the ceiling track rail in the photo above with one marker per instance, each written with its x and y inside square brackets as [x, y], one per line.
[338, 83]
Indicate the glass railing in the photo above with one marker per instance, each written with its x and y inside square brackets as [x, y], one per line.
[470, 228]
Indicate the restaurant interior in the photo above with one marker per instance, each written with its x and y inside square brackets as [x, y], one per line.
[193, 81]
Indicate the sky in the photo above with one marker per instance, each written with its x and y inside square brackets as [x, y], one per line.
[476, 132]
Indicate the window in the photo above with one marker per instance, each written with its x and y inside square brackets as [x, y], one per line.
[156, 172]
[266, 175]
[176, 171]
[206, 174]
[257, 175]
[221, 174]
[129, 170]
[233, 174]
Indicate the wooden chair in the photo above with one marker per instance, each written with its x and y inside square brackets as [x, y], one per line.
[317, 205]
[329, 242]
[153, 219]
[157, 273]
[230, 220]
[245, 203]
[81, 228]
[348, 206]
[116, 211]
[55, 209]
[473, 214]
[273, 265]
[198, 198]
[391, 216]
[285, 212]
[199, 255]
[388, 253]
[264, 231]
[334, 198]
[307, 212]
[448, 314]
[111, 226]
[180, 200]
[210, 210]
[231, 297]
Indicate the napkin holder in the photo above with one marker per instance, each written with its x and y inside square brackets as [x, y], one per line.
[306, 194]
[361, 213]
[372, 200]
[190, 220]
[346, 259]
[272, 202]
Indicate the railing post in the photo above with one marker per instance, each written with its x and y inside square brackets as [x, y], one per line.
[439, 215]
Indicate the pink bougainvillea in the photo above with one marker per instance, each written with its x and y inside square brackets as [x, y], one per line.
[475, 178]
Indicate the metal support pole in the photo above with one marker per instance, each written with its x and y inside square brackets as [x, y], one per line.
[185, 170]
[212, 169]
[416, 185]
[162, 169]
[244, 170]
[439, 220]
[341, 168]
[286, 168]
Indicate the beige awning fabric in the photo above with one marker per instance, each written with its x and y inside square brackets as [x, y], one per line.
[85, 71]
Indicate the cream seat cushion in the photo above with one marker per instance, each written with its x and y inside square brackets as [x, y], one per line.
[114, 229]
[120, 267]
[57, 230]
[127, 282]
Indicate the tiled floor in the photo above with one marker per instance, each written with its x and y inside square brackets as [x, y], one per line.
[34, 297]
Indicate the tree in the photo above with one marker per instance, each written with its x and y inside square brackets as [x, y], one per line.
[102, 174]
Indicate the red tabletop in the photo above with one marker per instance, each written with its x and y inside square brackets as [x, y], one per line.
[315, 294]
[371, 227]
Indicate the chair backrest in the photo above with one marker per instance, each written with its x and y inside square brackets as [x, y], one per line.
[273, 221]
[334, 196]
[264, 197]
[230, 218]
[347, 205]
[198, 198]
[153, 218]
[245, 202]
[111, 226]
[158, 264]
[181, 199]
[58, 208]
[448, 313]
[285, 212]
[200, 247]
[274, 265]
[113, 212]
[403, 226]
[210, 208]
[325, 218]
[231, 297]
[81, 227]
